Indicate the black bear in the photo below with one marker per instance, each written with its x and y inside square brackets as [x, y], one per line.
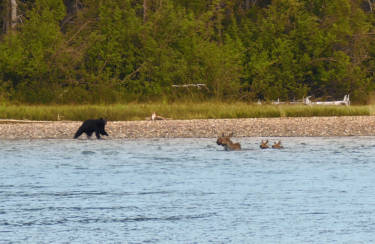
[92, 125]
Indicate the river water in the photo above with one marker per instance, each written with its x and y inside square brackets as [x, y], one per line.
[316, 190]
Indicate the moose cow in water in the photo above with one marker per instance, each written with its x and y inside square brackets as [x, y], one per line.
[227, 143]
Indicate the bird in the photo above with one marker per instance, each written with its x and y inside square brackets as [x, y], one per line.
[156, 117]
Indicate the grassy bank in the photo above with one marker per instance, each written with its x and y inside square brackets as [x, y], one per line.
[175, 111]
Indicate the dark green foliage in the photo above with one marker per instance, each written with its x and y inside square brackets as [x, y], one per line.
[105, 52]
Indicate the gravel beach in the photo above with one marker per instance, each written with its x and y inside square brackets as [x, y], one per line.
[207, 128]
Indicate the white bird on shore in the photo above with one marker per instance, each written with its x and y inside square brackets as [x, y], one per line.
[156, 117]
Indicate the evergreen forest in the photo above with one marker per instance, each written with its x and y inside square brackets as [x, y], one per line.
[121, 51]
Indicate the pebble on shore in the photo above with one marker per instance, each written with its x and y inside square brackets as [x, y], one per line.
[203, 128]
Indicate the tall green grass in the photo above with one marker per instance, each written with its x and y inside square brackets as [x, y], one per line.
[320, 110]
[175, 111]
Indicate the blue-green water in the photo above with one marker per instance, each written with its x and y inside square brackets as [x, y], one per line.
[316, 190]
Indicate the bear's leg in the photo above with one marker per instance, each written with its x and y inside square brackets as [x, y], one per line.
[97, 133]
[78, 133]
[103, 132]
[89, 133]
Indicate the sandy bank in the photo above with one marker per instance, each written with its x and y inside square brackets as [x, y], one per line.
[259, 127]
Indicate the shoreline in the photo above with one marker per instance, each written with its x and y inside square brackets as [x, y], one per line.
[198, 128]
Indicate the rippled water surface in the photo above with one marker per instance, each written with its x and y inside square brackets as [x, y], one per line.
[316, 190]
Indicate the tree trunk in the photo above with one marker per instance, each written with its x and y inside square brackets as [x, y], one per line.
[144, 10]
[370, 4]
[247, 4]
[13, 14]
[9, 15]
[5, 15]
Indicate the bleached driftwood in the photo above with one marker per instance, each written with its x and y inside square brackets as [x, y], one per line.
[307, 101]
[345, 101]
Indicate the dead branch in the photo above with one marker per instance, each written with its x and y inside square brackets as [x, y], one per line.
[199, 86]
